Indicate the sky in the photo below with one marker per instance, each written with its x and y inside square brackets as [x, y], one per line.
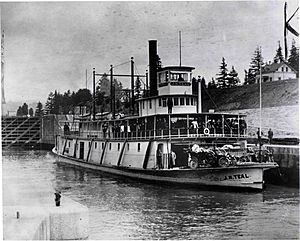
[49, 45]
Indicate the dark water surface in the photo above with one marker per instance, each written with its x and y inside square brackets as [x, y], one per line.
[126, 209]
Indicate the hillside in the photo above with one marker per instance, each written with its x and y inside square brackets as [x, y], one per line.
[274, 94]
[279, 101]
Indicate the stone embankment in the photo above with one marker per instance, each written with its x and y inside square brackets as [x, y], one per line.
[29, 213]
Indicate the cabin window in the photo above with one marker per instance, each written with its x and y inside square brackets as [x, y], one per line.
[143, 104]
[187, 101]
[150, 104]
[95, 145]
[159, 102]
[69, 143]
[287, 69]
[139, 147]
[175, 101]
[164, 102]
[192, 101]
[128, 146]
[270, 79]
[118, 146]
[109, 146]
[181, 101]
[279, 78]
[282, 69]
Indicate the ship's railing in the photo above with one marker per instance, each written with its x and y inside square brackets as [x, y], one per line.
[158, 134]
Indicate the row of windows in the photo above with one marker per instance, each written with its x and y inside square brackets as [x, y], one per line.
[110, 145]
[286, 69]
[119, 146]
[177, 101]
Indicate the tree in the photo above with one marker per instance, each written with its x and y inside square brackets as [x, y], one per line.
[233, 78]
[24, 109]
[255, 63]
[39, 109]
[293, 59]
[83, 97]
[279, 56]
[222, 80]
[212, 84]
[30, 112]
[137, 88]
[49, 106]
[203, 83]
[20, 111]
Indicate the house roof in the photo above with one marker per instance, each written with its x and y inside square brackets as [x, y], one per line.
[270, 68]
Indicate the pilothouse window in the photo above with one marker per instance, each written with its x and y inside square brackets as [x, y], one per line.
[182, 101]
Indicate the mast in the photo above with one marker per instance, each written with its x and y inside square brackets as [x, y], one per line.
[132, 85]
[94, 99]
[260, 109]
[2, 68]
[179, 48]
[112, 91]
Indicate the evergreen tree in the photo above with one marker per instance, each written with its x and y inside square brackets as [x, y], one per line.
[233, 78]
[255, 63]
[293, 59]
[30, 112]
[24, 109]
[20, 111]
[137, 88]
[39, 109]
[49, 106]
[222, 79]
[246, 77]
[279, 56]
[212, 84]
[203, 83]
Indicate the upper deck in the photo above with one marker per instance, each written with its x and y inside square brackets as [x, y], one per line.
[169, 126]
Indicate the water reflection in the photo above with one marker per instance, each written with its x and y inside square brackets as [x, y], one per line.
[127, 209]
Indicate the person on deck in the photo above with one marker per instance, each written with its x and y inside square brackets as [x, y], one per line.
[66, 129]
[170, 105]
[159, 159]
[173, 158]
[270, 135]
[259, 134]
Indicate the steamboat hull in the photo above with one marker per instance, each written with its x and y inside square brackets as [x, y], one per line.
[241, 177]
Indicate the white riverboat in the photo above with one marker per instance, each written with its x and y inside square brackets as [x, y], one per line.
[170, 140]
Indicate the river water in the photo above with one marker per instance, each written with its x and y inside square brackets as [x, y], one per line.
[127, 209]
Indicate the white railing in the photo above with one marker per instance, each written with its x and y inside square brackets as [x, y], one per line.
[158, 134]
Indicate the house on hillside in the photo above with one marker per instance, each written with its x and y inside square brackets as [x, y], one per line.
[277, 71]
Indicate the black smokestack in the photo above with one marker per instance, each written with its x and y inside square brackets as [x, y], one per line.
[153, 67]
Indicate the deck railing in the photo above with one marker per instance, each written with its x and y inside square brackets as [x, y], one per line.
[157, 134]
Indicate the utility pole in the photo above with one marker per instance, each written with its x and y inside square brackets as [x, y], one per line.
[284, 33]
[132, 85]
[94, 99]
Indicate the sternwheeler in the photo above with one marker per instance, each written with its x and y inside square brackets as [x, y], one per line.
[170, 139]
